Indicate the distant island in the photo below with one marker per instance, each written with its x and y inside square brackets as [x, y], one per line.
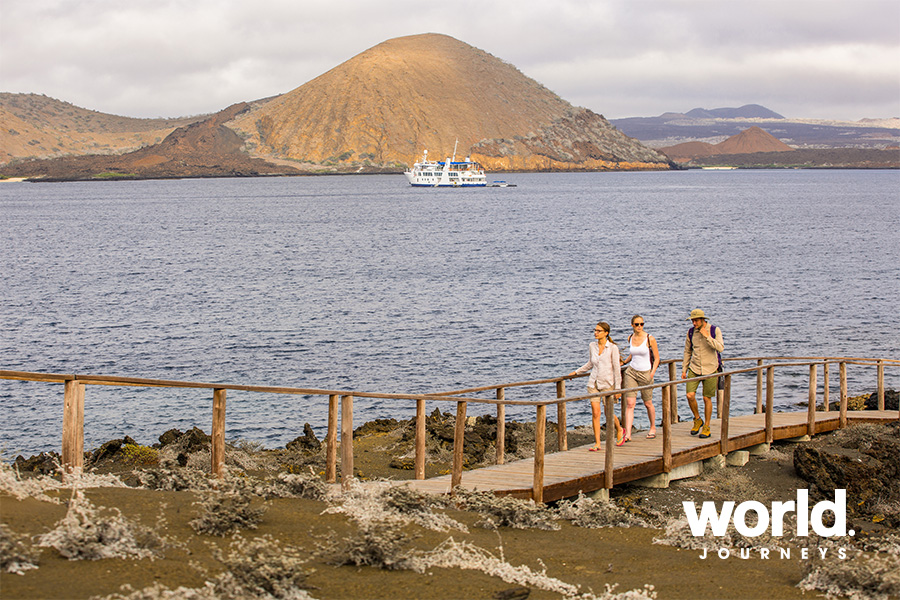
[372, 114]
[379, 110]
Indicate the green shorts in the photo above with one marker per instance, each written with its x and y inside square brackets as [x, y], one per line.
[709, 385]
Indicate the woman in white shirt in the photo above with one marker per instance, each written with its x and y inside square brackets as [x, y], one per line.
[644, 359]
[606, 374]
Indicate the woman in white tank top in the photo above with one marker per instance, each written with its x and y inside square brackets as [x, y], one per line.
[644, 359]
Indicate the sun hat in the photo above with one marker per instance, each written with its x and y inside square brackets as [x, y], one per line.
[697, 313]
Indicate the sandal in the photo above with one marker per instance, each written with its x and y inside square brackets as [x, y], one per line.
[650, 436]
[622, 441]
[594, 449]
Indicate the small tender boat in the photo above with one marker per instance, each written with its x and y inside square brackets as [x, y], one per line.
[502, 184]
[449, 173]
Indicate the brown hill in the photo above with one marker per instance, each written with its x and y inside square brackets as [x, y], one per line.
[387, 104]
[749, 141]
[35, 126]
[203, 149]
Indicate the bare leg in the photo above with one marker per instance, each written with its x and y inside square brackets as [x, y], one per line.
[629, 415]
[596, 411]
[651, 414]
[707, 409]
[692, 402]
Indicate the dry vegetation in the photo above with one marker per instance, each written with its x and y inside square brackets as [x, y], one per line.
[283, 535]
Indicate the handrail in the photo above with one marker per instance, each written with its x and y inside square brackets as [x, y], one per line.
[73, 414]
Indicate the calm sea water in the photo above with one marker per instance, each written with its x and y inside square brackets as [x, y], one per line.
[364, 283]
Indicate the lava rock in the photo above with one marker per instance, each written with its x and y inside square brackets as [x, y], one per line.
[308, 442]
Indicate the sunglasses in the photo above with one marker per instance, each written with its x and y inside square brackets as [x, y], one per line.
[637, 324]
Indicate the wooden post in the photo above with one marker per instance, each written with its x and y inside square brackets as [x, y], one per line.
[770, 401]
[459, 438]
[72, 454]
[346, 441]
[501, 427]
[610, 442]
[880, 385]
[667, 430]
[673, 393]
[842, 370]
[420, 439]
[561, 417]
[811, 413]
[759, 387]
[825, 384]
[331, 440]
[218, 434]
[726, 405]
[540, 429]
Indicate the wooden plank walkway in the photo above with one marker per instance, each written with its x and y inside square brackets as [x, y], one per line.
[578, 470]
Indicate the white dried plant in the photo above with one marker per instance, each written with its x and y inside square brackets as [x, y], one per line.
[15, 556]
[506, 511]
[859, 577]
[225, 511]
[385, 502]
[86, 533]
[259, 569]
[465, 555]
[12, 484]
[293, 485]
[590, 513]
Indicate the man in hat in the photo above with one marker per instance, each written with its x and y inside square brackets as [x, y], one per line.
[701, 357]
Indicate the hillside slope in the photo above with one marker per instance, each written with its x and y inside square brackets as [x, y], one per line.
[386, 105]
[748, 141]
[203, 149]
[35, 126]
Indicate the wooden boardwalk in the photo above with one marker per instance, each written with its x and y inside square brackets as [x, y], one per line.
[578, 470]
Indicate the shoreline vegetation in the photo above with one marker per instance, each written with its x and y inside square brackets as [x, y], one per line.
[148, 522]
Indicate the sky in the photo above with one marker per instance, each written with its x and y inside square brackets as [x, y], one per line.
[815, 59]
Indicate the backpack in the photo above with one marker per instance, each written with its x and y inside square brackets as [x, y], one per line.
[712, 332]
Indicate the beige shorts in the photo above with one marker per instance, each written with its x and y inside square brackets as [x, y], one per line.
[592, 390]
[634, 378]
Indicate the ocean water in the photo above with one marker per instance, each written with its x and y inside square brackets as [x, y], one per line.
[364, 283]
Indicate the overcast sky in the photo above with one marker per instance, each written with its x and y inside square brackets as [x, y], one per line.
[829, 59]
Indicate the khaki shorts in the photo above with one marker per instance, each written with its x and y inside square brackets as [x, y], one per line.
[635, 378]
[709, 385]
[593, 390]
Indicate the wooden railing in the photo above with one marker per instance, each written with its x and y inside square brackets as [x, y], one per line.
[340, 411]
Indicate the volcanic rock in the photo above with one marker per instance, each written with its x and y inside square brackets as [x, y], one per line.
[307, 442]
[870, 472]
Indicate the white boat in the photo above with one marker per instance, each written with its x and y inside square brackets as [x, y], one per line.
[449, 173]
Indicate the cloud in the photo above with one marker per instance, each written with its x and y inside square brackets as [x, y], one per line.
[822, 58]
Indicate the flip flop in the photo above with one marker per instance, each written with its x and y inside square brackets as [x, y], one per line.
[650, 436]
[594, 449]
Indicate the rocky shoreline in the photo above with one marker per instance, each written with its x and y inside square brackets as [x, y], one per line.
[152, 518]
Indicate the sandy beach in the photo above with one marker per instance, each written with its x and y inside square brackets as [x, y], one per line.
[420, 549]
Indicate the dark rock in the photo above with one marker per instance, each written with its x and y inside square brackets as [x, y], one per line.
[870, 472]
[404, 464]
[377, 426]
[194, 441]
[891, 399]
[308, 442]
[45, 463]
[169, 437]
[516, 593]
[109, 451]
